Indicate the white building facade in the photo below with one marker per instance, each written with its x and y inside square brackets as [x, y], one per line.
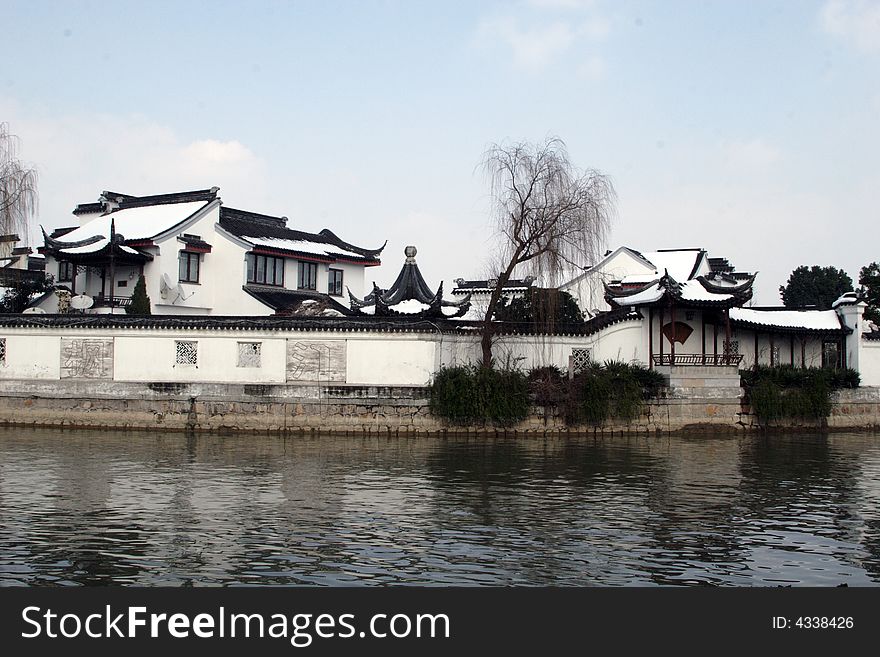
[199, 257]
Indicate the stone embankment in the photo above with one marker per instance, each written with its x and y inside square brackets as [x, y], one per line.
[288, 408]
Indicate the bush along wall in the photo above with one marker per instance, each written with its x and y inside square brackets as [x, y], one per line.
[611, 391]
[470, 395]
[789, 393]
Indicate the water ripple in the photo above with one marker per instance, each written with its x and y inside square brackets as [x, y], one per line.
[78, 508]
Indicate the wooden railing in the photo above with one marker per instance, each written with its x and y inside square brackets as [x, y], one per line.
[709, 360]
[105, 302]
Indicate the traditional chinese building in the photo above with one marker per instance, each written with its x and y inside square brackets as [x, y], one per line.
[199, 257]
[409, 296]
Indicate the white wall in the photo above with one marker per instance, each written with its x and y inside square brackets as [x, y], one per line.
[153, 359]
[390, 361]
[869, 362]
[32, 357]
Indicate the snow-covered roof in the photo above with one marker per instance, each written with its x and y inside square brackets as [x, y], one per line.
[300, 246]
[815, 320]
[268, 232]
[693, 290]
[846, 299]
[650, 294]
[144, 222]
[681, 264]
[95, 247]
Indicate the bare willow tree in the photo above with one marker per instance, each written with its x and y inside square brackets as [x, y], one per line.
[18, 187]
[550, 216]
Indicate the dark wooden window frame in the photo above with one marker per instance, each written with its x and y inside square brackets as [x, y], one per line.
[335, 279]
[259, 266]
[308, 275]
[189, 273]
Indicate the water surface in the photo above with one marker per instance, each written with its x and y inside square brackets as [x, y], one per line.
[167, 509]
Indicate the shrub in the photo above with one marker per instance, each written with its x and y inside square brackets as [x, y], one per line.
[783, 392]
[470, 394]
[547, 385]
[612, 390]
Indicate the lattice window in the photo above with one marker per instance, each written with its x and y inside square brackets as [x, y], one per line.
[2, 351]
[186, 352]
[249, 354]
[580, 359]
[731, 347]
[775, 354]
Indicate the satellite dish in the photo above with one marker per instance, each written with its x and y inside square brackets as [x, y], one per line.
[81, 302]
[33, 311]
[165, 284]
[181, 293]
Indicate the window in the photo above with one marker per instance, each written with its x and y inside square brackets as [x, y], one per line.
[265, 270]
[580, 358]
[65, 271]
[334, 284]
[308, 276]
[186, 352]
[189, 267]
[2, 351]
[775, 354]
[831, 354]
[249, 354]
[122, 283]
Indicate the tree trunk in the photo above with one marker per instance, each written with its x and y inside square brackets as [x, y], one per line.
[488, 328]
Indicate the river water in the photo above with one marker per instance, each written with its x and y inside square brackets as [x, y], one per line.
[167, 509]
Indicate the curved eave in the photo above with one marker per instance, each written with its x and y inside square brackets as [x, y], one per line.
[368, 254]
[736, 290]
[313, 257]
[102, 255]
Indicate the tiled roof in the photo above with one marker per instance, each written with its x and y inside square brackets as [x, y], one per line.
[468, 287]
[195, 243]
[698, 292]
[129, 201]
[397, 324]
[409, 295]
[788, 320]
[271, 233]
[285, 302]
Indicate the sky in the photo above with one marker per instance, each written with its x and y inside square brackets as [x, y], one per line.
[750, 129]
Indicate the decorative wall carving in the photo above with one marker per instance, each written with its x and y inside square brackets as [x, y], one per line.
[86, 358]
[316, 360]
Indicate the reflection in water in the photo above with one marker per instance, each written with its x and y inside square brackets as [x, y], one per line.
[167, 509]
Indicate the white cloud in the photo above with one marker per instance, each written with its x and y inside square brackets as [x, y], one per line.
[533, 48]
[750, 155]
[538, 35]
[855, 21]
[79, 156]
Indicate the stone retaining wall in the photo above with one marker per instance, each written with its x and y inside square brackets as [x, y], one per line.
[360, 409]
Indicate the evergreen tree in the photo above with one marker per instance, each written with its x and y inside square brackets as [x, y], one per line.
[140, 302]
[869, 279]
[815, 286]
[19, 295]
[542, 308]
